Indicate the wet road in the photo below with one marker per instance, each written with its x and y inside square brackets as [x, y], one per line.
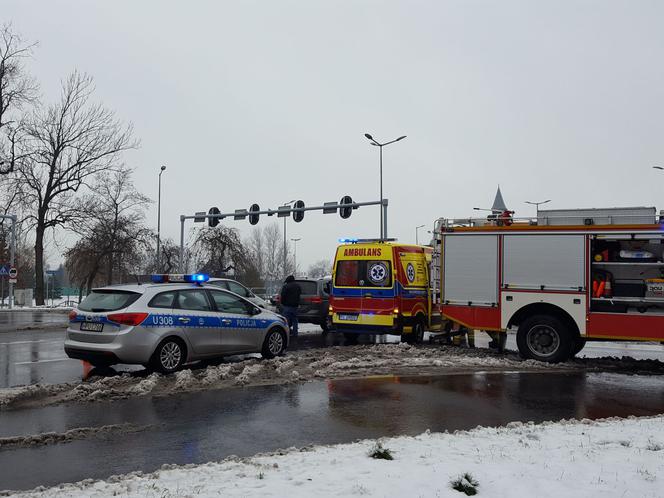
[37, 356]
[212, 425]
[24, 320]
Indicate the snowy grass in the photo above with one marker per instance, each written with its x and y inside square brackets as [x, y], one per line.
[380, 453]
[465, 484]
[571, 459]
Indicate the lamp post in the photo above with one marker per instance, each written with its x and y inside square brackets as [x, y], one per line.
[373, 141]
[163, 168]
[537, 205]
[285, 248]
[417, 241]
[295, 241]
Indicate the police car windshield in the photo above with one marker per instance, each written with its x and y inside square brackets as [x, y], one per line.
[107, 300]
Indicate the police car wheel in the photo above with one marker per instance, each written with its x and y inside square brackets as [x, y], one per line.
[169, 356]
[274, 344]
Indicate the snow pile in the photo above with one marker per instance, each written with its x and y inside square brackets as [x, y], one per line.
[47, 438]
[610, 458]
[215, 374]
[302, 366]
[248, 373]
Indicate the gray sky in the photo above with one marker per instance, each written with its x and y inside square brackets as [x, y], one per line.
[268, 101]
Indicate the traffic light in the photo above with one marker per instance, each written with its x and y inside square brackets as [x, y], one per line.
[298, 215]
[213, 222]
[253, 218]
[346, 211]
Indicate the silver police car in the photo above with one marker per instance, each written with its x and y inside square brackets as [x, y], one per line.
[164, 325]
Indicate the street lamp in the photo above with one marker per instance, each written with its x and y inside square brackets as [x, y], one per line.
[163, 168]
[417, 242]
[285, 217]
[537, 205]
[295, 241]
[373, 141]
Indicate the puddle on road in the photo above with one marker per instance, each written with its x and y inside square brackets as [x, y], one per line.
[211, 425]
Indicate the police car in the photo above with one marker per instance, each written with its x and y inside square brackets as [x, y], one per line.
[174, 320]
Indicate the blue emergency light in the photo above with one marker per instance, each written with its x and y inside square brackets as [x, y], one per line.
[193, 278]
[347, 241]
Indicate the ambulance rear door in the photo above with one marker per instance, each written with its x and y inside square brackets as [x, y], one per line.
[378, 294]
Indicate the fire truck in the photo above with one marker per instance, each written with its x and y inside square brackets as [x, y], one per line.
[560, 279]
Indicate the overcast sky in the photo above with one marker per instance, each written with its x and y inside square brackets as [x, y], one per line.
[268, 101]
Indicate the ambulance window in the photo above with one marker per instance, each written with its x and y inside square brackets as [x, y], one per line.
[361, 273]
[348, 274]
[378, 274]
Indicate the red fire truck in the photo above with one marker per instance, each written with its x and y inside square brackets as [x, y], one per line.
[561, 279]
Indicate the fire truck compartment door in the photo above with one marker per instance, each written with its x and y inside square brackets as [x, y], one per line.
[470, 269]
[544, 262]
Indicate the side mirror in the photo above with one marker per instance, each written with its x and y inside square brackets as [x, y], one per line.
[255, 310]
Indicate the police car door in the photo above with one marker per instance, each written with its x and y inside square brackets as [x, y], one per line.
[239, 330]
[198, 321]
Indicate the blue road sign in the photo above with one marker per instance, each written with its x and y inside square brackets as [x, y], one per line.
[4, 270]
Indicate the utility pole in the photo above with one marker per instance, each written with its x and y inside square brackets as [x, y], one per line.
[383, 217]
[163, 168]
[285, 246]
[295, 241]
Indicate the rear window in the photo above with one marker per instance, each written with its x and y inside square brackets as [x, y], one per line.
[108, 300]
[363, 273]
[308, 287]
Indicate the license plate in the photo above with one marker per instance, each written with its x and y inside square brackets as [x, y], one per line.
[92, 326]
[347, 317]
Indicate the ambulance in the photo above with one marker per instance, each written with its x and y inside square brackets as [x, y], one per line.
[381, 287]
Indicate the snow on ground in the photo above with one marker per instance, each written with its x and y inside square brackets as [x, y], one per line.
[610, 458]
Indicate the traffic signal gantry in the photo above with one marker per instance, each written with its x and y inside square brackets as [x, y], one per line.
[214, 214]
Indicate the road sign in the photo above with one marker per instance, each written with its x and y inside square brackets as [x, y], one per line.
[13, 273]
[4, 270]
[12, 280]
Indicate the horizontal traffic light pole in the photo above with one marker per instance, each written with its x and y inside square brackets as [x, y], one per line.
[241, 214]
[281, 212]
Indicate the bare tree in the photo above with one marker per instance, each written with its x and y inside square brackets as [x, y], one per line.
[320, 268]
[17, 89]
[67, 145]
[112, 230]
[266, 252]
[219, 250]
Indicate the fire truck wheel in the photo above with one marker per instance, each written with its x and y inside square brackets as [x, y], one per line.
[579, 344]
[544, 338]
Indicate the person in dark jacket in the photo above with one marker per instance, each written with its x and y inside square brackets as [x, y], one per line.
[290, 300]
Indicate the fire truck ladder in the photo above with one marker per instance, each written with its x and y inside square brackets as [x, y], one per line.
[434, 270]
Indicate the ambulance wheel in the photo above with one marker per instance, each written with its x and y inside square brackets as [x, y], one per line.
[416, 336]
[274, 344]
[169, 356]
[350, 338]
[579, 344]
[544, 338]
